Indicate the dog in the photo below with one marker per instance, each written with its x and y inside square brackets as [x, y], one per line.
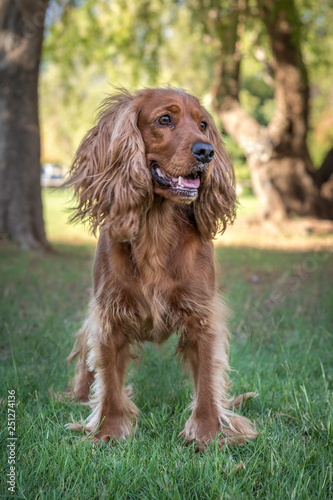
[154, 178]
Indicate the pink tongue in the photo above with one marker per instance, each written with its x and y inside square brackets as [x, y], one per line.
[189, 183]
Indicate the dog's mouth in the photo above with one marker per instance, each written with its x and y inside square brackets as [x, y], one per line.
[186, 187]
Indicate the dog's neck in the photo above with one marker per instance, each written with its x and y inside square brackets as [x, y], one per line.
[162, 231]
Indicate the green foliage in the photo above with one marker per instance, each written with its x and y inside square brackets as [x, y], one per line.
[317, 45]
[103, 44]
[88, 48]
[92, 45]
[284, 353]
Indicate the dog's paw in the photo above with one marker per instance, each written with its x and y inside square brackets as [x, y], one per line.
[110, 429]
[236, 429]
[113, 430]
[232, 429]
[203, 432]
[68, 396]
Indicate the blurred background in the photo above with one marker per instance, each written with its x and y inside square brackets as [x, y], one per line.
[262, 68]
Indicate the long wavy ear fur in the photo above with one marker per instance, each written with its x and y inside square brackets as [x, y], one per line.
[216, 204]
[109, 172]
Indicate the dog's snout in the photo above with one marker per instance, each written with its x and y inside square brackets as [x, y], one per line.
[199, 169]
[203, 152]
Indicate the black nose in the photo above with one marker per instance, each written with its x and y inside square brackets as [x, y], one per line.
[203, 152]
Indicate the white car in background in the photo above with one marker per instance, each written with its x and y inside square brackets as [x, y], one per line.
[51, 175]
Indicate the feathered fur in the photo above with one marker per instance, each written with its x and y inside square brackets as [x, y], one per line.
[108, 172]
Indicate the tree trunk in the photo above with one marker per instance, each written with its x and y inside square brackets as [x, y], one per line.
[21, 36]
[283, 175]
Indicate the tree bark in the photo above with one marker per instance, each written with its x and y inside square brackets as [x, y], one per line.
[21, 36]
[282, 173]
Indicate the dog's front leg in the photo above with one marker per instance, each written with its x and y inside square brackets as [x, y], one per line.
[113, 410]
[206, 347]
[107, 357]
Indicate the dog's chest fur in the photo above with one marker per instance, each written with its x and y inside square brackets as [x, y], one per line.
[148, 288]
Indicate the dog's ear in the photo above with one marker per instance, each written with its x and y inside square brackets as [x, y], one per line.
[216, 203]
[109, 172]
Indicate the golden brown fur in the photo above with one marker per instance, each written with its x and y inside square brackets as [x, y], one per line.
[135, 176]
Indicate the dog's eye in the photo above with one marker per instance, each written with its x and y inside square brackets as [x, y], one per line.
[203, 126]
[164, 120]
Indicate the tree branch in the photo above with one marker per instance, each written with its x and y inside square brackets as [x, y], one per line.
[324, 173]
[249, 134]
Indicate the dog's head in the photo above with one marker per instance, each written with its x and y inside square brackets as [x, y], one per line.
[174, 127]
[153, 143]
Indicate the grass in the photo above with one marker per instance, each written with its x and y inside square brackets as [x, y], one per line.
[282, 347]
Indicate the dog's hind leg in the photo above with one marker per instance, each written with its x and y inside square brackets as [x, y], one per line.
[79, 389]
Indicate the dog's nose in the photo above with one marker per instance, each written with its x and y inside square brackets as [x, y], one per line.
[203, 152]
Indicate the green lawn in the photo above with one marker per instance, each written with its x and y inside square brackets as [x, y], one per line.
[282, 348]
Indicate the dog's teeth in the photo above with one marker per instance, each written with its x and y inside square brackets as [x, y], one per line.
[180, 181]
